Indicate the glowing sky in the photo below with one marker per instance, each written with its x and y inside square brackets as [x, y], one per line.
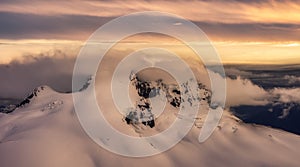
[259, 31]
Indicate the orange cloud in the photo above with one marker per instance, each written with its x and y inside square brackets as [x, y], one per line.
[212, 11]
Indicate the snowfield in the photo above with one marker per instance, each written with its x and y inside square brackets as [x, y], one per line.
[46, 133]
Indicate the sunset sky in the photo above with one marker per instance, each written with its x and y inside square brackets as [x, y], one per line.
[259, 31]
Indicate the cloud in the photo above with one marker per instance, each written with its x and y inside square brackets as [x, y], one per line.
[234, 72]
[240, 92]
[292, 79]
[20, 77]
[286, 111]
[244, 92]
[232, 11]
[288, 98]
[55, 69]
[251, 31]
[286, 95]
[221, 20]
[80, 27]
[32, 26]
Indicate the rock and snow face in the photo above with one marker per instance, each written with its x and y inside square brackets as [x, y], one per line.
[147, 90]
[46, 132]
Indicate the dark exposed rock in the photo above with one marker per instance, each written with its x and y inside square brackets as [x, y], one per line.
[176, 91]
[7, 109]
[30, 96]
[87, 83]
[176, 102]
[142, 113]
[25, 101]
[150, 123]
[128, 120]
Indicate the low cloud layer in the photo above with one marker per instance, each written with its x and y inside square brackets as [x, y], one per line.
[292, 79]
[55, 69]
[286, 95]
[244, 92]
[241, 90]
[20, 77]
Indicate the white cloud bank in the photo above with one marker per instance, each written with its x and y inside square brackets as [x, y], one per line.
[286, 95]
[244, 92]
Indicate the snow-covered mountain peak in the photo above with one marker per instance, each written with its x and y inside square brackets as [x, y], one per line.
[46, 132]
[49, 129]
[43, 97]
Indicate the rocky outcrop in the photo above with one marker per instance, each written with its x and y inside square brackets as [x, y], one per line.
[142, 112]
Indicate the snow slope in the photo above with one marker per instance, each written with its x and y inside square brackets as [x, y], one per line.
[46, 133]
